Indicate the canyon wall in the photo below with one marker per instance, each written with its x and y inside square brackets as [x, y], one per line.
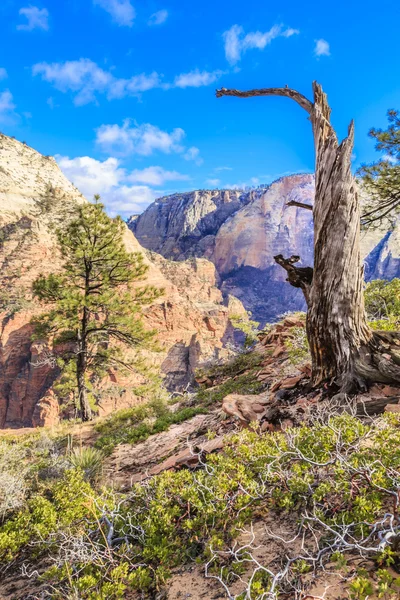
[242, 241]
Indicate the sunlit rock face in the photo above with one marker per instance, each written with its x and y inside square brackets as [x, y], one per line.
[241, 232]
[185, 225]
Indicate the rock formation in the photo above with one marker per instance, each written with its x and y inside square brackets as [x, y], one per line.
[241, 232]
[191, 320]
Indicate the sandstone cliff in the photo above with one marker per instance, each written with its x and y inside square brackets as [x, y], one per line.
[243, 241]
[192, 322]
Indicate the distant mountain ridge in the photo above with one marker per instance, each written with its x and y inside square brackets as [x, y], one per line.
[241, 232]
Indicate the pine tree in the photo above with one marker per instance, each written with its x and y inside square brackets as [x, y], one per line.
[94, 310]
[381, 179]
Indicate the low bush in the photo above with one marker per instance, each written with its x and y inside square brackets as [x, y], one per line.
[382, 302]
[335, 484]
[89, 461]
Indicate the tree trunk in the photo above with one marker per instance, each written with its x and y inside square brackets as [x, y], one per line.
[336, 320]
[81, 366]
[344, 349]
[84, 406]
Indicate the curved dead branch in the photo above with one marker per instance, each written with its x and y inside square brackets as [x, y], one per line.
[286, 92]
[299, 204]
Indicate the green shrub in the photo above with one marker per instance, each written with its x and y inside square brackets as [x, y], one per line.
[89, 461]
[382, 302]
[341, 469]
[50, 509]
[247, 326]
[297, 345]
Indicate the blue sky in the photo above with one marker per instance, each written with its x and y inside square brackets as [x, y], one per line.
[122, 91]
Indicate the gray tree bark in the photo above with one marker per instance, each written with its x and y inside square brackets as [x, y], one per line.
[344, 350]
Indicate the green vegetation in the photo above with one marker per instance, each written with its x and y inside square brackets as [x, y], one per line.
[381, 180]
[297, 345]
[334, 484]
[95, 311]
[241, 363]
[132, 425]
[247, 326]
[382, 302]
[89, 461]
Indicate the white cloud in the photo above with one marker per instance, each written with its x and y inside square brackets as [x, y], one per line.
[193, 153]
[7, 107]
[289, 32]
[121, 11]
[86, 79]
[213, 182]
[196, 78]
[128, 200]
[392, 159]
[223, 169]
[155, 176]
[158, 17]
[36, 18]
[237, 43]
[144, 139]
[133, 86]
[110, 180]
[139, 139]
[50, 102]
[3, 73]
[321, 48]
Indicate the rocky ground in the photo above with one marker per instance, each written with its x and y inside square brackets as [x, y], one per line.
[280, 368]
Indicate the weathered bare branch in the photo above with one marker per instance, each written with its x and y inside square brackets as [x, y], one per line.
[299, 277]
[286, 92]
[299, 204]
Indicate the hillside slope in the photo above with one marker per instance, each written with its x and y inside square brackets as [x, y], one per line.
[286, 492]
[190, 318]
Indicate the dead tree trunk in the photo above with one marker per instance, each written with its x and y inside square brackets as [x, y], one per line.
[344, 349]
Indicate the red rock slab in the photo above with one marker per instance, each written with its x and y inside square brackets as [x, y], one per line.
[291, 382]
[393, 408]
[185, 457]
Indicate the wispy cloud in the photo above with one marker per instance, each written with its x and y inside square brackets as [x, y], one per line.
[193, 154]
[50, 102]
[7, 107]
[237, 42]
[86, 80]
[144, 139]
[155, 176]
[213, 182]
[37, 18]
[114, 183]
[3, 73]
[196, 78]
[322, 48]
[121, 11]
[217, 169]
[158, 17]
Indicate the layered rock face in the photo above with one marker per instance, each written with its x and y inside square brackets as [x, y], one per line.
[184, 225]
[242, 244]
[191, 320]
